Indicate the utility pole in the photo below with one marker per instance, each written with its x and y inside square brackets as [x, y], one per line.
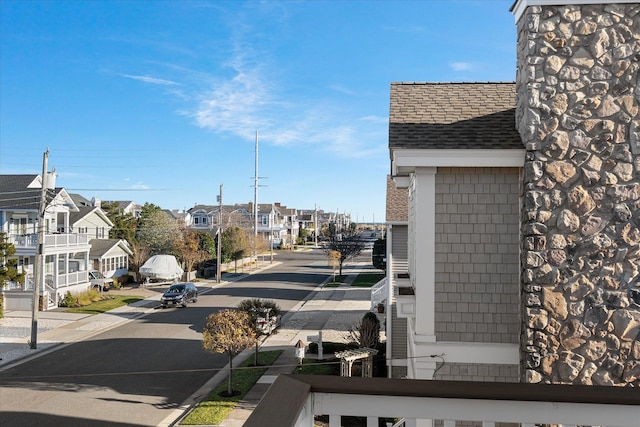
[255, 202]
[219, 248]
[271, 221]
[39, 267]
[315, 226]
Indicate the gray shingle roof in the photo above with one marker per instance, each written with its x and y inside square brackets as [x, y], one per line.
[453, 116]
[15, 194]
[99, 247]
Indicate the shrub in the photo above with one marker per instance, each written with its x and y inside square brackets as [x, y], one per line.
[367, 333]
[68, 301]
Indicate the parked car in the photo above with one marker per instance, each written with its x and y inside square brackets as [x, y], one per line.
[99, 282]
[179, 293]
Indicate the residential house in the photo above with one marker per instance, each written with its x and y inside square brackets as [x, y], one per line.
[524, 207]
[108, 256]
[66, 253]
[523, 239]
[127, 207]
[461, 166]
[180, 217]
[275, 223]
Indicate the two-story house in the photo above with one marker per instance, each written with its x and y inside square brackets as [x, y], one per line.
[524, 207]
[107, 256]
[66, 253]
[522, 240]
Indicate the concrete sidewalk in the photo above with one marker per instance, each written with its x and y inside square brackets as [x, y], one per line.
[334, 311]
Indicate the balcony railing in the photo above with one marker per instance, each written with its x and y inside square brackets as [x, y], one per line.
[378, 293]
[29, 241]
[294, 400]
[65, 240]
[23, 240]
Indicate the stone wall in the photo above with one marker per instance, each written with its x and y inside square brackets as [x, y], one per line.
[577, 112]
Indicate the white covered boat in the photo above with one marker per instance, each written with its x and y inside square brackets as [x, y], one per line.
[161, 267]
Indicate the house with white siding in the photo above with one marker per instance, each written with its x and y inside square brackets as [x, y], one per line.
[519, 301]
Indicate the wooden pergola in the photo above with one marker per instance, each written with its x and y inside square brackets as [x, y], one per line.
[347, 358]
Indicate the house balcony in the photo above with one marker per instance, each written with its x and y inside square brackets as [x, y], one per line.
[294, 400]
[28, 242]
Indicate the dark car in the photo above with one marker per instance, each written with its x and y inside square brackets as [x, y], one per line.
[179, 293]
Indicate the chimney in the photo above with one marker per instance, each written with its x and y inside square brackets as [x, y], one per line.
[577, 114]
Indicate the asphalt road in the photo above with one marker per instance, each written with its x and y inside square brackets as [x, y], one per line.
[138, 373]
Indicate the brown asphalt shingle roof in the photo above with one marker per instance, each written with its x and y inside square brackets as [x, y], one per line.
[397, 202]
[453, 116]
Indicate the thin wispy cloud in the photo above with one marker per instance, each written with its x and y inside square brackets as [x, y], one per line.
[250, 101]
[140, 186]
[341, 89]
[152, 80]
[462, 66]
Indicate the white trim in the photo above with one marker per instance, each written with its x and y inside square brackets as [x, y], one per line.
[405, 161]
[424, 235]
[520, 6]
[401, 181]
[509, 411]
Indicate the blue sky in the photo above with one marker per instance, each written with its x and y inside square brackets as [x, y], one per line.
[159, 101]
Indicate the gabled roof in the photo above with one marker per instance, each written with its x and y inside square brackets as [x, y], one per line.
[80, 201]
[453, 116]
[100, 247]
[20, 191]
[86, 208]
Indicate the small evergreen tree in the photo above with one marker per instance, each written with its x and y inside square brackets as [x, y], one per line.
[260, 310]
[367, 333]
[8, 266]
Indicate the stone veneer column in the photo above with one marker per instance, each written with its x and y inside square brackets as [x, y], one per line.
[577, 113]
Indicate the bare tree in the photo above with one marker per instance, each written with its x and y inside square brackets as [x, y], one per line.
[140, 256]
[230, 332]
[348, 245]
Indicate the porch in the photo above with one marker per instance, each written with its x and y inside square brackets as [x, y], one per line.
[416, 402]
[30, 241]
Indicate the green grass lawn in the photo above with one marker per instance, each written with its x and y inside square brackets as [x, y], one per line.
[103, 306]
[215, 408]
[367, 280]
[314, 367]
[336, 282]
